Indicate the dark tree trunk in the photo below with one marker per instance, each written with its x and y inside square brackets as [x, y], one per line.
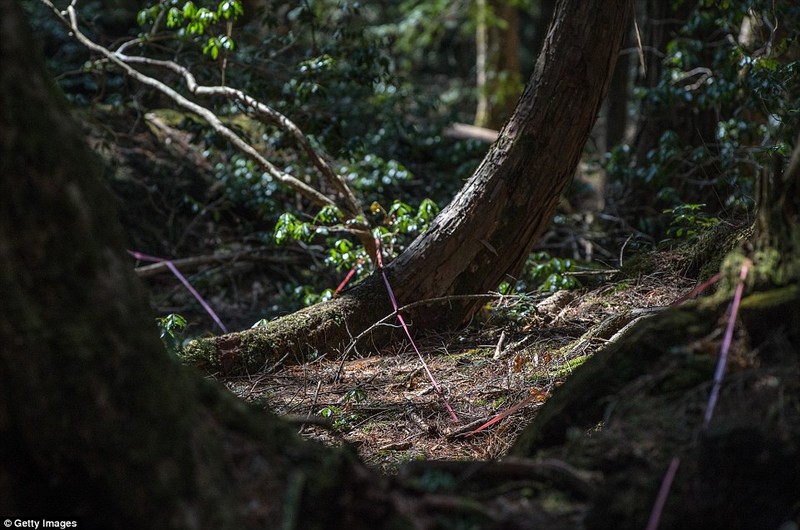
[662, 22]
[778, 222]
[485, 234]
[541, 23]
[617, 101]
[96, 421]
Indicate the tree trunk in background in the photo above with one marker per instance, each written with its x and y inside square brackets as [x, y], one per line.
[661, 24]
[695, 127]
[777, 240]
[485, 234]
[499, 81]
[96, 421]
[618, 96]
[482, 53]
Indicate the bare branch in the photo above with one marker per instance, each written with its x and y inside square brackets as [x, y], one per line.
[263, 111]
[195, 262]
[352, 209]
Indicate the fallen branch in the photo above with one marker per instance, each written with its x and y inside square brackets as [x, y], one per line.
[464, 131]
[195, 262]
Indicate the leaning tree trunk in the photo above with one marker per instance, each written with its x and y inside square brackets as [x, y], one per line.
[486, 233]
[96, 421]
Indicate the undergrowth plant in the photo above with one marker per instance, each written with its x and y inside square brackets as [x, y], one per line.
[724, 105]
[544, 273]
[688, 220]
[394, 228]
[341, 417]
[171, 329]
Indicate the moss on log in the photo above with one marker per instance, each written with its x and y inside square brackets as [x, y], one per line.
[640, 403]
[324, 328]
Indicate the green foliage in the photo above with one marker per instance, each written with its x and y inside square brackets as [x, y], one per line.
[373, 176]
[340, 416]
[741, 95]
[171, 328]
[344, 255]
[547, 273]
[542, 273]
[289, 227]
[193, 23]
[395, 228]
[688, 220]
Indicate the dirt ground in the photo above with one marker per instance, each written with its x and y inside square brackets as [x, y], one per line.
[503, 367]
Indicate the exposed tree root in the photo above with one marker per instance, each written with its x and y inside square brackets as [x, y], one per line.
[639, 402]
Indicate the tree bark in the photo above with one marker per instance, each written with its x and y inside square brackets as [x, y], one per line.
[498, 70]
[778, 223]
[96, 421]
[485, 234]
[617, 101]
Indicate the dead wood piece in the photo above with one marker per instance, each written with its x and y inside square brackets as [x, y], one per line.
[464, 131]
[195, 262]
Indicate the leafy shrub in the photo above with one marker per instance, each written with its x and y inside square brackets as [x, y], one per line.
[745, 91]
[171, 328]
[544, 273]
[688, 220]
[394, 228]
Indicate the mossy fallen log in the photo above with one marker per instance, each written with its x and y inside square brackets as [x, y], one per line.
[324, 328]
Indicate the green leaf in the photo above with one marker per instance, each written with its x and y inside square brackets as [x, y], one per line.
[328, 214]
[205, 17]
[189, 10]
[284, 228]
[174, 17]
[229, 9]
[226, 42]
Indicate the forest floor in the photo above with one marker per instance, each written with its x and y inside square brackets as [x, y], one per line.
[505, 364]
[627, 415]
[599, 455]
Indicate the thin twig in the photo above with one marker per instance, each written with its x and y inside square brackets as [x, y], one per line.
[312, 406]
[194, 262]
